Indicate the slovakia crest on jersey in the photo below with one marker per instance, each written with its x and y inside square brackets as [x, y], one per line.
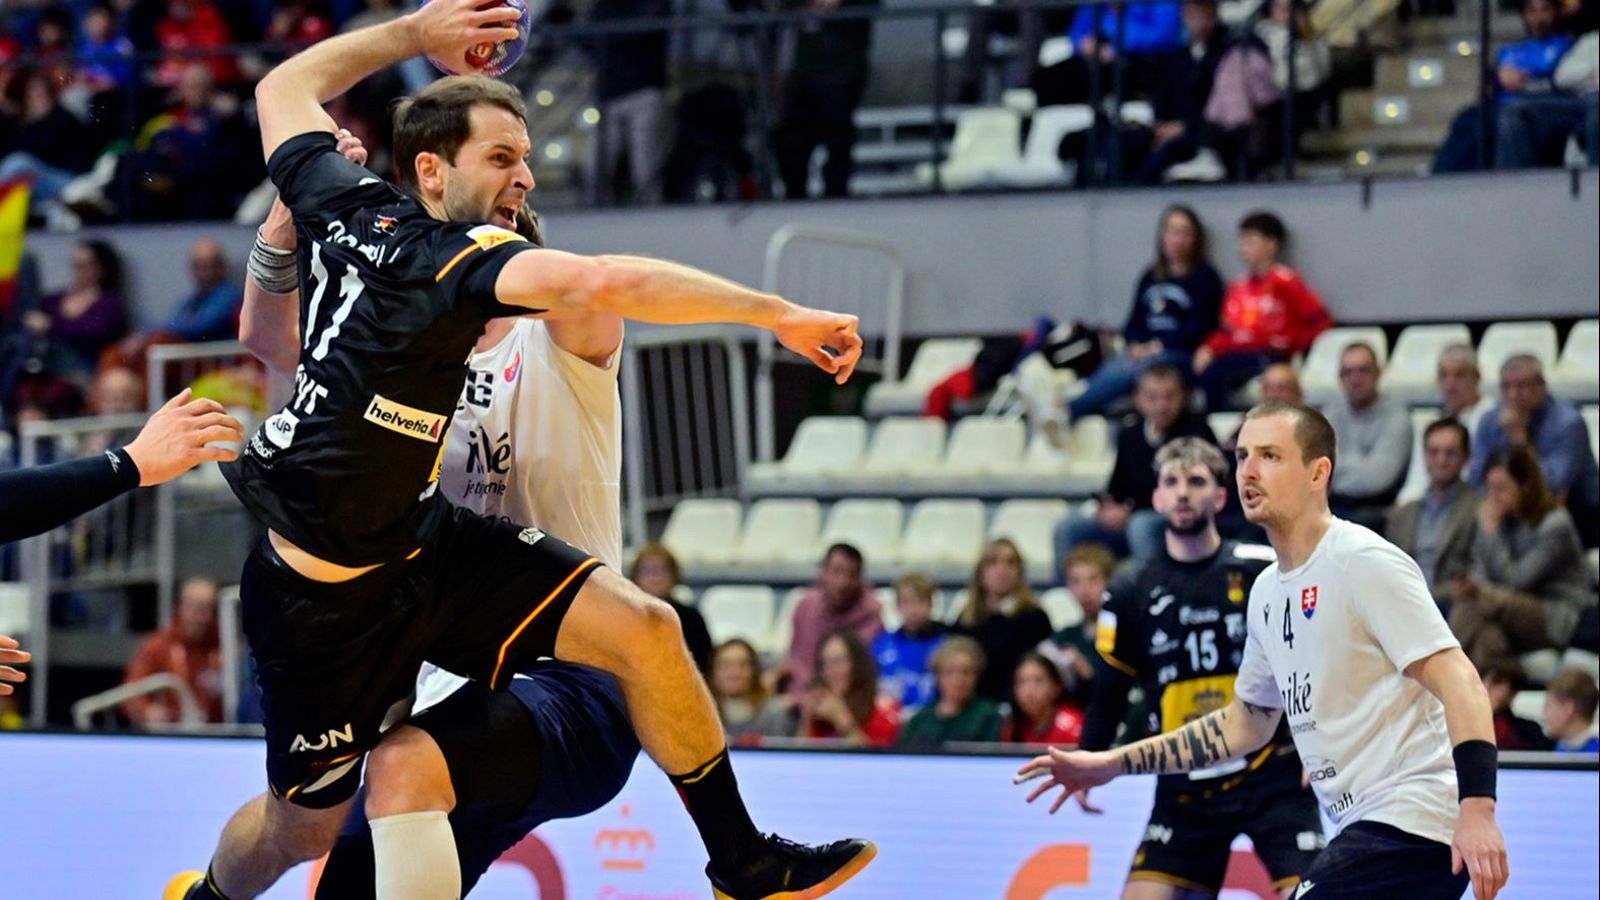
[1308, 600]
[514, 368]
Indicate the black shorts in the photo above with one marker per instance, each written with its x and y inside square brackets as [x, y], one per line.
[1371, 859]
[483, 598]
[555, 745]
[1188, 841]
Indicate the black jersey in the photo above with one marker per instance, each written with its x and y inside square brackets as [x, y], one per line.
[1179, 630]
[391, 303]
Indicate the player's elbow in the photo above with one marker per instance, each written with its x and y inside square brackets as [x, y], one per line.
[601, 286]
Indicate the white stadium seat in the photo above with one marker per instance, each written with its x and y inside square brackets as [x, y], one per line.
[871, 526]
[1529, 705]
[780, 537]
[1040, 165]
[1029, 524]
[701, 531]
[776, 640]
[1577, 374]
[738, 611]
[988, 141]
[943, 538]
[891, 609]
[1591, 421]
[1319, 376]
[1091, 454]
[1503, 340]
[900, 447]
[979, 448]
[1412, 373]
[1416, 483]
[1062, 608]
[822, 447]
[935, 360]
[1224, 424]
[954, 603]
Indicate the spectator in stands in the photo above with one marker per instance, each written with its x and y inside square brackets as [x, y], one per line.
[1439, 529]
[1018, 19]
[1039, 712]
[298, 23]
[1124, 520]
[104, 54]
[902, 654]
[1528, 416]
[1374, 435]
[959, 713]
[116, 390]
[1174, 307]
[191, 25]
[1523, 70]
[1569, 711]
[197, 158]
[50, 146]
[840, 599]
[1313, 61]
[1459, 379]
[631, 71]
[1267, 316]
[842, 702]
[1001, 615]
[1087, 572]
[188, 648]
[1503, 679]
[1178, 101]
[1533, 129]
[1149, 30]
[655, 570]
[749, 711]
[211, 311]
[820, 96]
[1528, 585]
[91, 314]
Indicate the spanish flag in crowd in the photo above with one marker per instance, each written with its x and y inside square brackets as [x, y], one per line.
[13, 223]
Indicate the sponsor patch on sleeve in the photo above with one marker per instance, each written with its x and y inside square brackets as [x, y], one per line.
[1105, 632]
[491, 236]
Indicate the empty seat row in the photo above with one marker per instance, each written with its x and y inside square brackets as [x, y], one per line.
[781, 539]
[755, 613]
[833, 455]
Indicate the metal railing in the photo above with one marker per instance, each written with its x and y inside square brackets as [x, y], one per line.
[685, 419]
[84, 711]
[841, 271]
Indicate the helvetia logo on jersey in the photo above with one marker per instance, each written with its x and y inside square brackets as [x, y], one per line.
[417, 423]
[1308, 600]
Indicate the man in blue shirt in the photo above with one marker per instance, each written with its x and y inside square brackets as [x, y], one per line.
[1570, 700]
[902, 654]
[211, 312]
[1527, 414]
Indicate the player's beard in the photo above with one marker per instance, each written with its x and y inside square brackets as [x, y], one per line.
[461, 205]
[1201, 522]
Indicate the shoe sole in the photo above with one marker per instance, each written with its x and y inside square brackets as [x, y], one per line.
[180, 884]
[827, 886]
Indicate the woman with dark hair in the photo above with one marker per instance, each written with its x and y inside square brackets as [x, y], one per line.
[655, 570]
[1174, 307]
[843, 701]
[1001, 615]
[1038, 713]
[1528, 587]
[90, 315]
[748, 711]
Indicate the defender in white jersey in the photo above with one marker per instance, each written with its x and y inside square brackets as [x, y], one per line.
[1345, 642]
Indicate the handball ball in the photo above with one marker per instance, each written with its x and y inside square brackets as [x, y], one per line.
[488, 58]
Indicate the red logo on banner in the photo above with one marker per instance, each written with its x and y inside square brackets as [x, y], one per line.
[1308, 600]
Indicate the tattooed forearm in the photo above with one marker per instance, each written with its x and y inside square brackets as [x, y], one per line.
[1197, 745]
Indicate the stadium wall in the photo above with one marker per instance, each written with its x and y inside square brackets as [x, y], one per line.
[1521, 245]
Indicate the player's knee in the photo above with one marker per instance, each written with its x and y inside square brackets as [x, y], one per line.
[407, 773]
[650, 628]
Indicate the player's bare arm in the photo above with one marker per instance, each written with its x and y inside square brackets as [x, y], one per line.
[1236, 730]
[651, 290]
[289, 99]
[1477, 843]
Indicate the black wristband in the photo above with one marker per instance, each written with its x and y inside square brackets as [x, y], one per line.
[122, 466]
[1476, 768]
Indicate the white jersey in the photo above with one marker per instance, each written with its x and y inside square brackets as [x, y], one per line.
[536, 440]
[1327, 644]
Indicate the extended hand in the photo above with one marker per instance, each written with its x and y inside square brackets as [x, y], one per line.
[174, 440]
[828, 339]
[1479, 846]
[10, 654]
[1071, 771]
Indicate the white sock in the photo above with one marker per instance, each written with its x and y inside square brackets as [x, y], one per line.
[415, 857]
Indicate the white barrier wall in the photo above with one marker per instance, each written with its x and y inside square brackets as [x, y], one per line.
[109, 817]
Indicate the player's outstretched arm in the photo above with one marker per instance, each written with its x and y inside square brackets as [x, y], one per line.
[651, 290]
[1478, 843]
[1233, 731]
[9, 653]
[289, 100]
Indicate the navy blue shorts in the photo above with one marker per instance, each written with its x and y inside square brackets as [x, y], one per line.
[555, 745]
[1371, 859]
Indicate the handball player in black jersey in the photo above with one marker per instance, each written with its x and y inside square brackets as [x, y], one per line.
[1175, 626]
[366, 572]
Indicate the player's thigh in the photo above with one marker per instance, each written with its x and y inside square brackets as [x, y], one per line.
[496, 595]
[1369, 859]
[1184, 848]
[1159, 890]
[615, 626]
[1287, 834]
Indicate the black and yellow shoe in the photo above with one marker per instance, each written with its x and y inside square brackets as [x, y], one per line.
[182, 885]
[785, 870]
